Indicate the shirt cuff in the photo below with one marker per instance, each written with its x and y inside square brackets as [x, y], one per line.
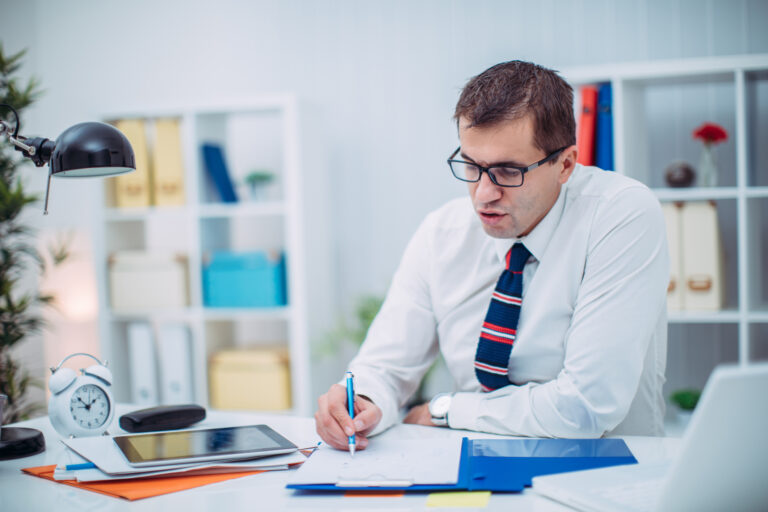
[463, 412]
[389, 415]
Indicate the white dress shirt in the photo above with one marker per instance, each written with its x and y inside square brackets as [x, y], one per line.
[590, 353]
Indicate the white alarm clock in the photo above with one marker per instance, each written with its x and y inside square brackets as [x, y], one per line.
[81, 405]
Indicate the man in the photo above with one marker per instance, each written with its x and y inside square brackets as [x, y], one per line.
[545, 292]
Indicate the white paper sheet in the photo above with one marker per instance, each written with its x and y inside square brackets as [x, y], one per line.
[393, 463]
[95, 475]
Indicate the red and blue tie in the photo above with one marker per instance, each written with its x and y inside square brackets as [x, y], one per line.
[500, 327]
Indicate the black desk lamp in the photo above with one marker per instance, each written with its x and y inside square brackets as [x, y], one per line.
[84, 150]
[81, 151]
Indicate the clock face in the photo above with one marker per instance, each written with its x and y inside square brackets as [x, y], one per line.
[89, 406]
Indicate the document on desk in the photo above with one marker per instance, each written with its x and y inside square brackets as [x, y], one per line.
[384, 463]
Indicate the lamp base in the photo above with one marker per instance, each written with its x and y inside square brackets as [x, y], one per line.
[17, 442]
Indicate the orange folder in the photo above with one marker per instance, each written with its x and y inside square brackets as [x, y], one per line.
[139, 488]
[585, 140]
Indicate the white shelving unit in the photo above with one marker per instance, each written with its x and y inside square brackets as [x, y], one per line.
[262, 132]
[656, 107]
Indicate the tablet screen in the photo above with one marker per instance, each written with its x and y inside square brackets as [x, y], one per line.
[191, 444]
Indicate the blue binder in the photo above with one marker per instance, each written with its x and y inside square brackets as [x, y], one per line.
[604, 129]
[509, 465]
[217, 170]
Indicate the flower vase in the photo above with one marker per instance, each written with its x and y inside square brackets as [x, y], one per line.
[707, 172]
[258, 191]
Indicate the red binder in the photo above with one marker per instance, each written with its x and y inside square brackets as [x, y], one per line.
[585, 140]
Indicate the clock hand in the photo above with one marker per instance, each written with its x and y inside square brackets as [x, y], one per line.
[85, 405]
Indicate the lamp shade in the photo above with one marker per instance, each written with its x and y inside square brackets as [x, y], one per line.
[92, 149]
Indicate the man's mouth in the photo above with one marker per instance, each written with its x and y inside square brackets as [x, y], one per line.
[490, 216]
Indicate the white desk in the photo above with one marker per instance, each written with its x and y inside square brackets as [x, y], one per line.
[262, 492]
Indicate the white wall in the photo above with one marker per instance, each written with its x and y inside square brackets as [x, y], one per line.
[382, 76]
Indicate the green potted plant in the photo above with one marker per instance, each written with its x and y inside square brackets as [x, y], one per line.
[685, 401]
[346, 339]
[366, 309]
[19, 308]
[257, 181]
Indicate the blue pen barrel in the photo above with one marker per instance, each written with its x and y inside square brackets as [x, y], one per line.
[351, 407]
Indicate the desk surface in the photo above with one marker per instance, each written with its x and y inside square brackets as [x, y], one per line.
[265, 491]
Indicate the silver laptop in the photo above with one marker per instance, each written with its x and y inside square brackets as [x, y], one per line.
[722, 463]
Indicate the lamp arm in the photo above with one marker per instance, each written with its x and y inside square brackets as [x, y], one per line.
[38, 149]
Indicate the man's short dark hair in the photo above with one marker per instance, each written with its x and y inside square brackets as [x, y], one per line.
[511, 90]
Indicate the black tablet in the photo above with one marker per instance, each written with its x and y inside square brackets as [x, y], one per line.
[212, 444]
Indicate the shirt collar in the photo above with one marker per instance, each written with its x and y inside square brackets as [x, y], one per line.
[537, 240]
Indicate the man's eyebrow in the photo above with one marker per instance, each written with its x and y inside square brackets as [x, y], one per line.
[508, 163]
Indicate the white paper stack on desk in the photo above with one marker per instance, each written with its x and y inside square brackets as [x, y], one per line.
[112, 464]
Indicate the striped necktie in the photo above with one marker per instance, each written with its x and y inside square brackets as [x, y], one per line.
[500, 327]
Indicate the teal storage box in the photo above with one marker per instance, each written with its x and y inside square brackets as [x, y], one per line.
[245, 280]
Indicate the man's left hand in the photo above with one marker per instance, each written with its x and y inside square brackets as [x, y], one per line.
[419, 415]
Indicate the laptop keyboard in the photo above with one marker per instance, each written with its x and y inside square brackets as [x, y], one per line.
[639, 496]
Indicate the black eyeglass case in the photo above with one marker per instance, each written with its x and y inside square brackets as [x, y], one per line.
[156, 419]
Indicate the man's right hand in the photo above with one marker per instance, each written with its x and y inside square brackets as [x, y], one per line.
[333, 423]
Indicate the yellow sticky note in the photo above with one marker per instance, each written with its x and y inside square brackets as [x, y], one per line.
[475, 499]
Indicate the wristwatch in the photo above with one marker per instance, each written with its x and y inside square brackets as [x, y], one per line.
[439, 407]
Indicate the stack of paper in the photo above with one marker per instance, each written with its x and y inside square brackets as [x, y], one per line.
[91, 459]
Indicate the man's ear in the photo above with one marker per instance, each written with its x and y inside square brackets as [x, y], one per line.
[568, 160]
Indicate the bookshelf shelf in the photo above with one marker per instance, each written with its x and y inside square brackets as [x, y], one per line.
[141, 214]
[757, 192]
[696, 194]
[256, 133]
[758, 317]
[700, 317]
[267, 208]
[280, 313]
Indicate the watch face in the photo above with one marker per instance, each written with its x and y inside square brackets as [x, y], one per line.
[440, 405]
[89, 406]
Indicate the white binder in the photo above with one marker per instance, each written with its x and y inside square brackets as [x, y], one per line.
[673, 218]
[175, 364]
[141, 350]
[702, 257]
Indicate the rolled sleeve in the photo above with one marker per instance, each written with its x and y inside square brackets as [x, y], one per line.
[401, 343]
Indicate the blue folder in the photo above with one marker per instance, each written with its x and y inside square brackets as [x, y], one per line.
[604, 128]
[509, 465]
[217, 170]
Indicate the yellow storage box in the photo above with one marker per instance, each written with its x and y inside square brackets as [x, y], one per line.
[253, 379]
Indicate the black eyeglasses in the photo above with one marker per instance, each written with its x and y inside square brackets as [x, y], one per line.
[501, 175]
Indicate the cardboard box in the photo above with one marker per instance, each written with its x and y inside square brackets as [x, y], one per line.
[141, 281]
[245, 280]
[253, 379]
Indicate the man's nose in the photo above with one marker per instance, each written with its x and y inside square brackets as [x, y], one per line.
[487, 191]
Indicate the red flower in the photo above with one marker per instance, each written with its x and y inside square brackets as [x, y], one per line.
[710, 133]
